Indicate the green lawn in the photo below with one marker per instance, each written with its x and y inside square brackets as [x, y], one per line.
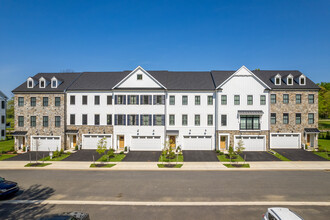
[324, 144]
[223, 158]
[323, 154]
[39, 164]
[279, 156]
[163, 166]
[62, 157]
[105, 166]
[6, 156]
[7, 145]
[243, 166]
[116, 158]
[324, 124]
[179, 159]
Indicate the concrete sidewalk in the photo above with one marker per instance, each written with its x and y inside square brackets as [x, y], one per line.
[208, 166]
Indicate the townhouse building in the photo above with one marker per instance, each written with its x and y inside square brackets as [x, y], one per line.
[145, 110]
[3, 107]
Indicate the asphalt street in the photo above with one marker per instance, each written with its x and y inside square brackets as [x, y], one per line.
[167, 186]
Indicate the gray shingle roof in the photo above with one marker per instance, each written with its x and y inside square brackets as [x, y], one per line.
[220, 76]
[3, 95]
[267, 75]
[66, 78]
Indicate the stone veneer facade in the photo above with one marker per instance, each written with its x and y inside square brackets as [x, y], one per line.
[88, 129]
[292, 108]
[39, 111]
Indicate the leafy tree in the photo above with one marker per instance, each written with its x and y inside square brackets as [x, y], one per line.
[324, 99]
[101, 146]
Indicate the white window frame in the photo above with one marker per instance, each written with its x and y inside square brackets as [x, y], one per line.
[287, 80]
[28, 82]
[42, 80]
[54, 79]
[302, 77]
[278, 77]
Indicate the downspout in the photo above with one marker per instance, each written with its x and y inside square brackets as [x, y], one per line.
[165, 120]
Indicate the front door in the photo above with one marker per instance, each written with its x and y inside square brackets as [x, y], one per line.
[223, 142]
[121, 142]
[172, 142]
[308, 140]
[74, 140]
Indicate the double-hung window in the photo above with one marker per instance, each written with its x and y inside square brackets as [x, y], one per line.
[285, 98]
[172, 120]
[310, 99]
[236, 100]
[298, 118]
[132, 119]
[96, 119]
[132, 99]
[145, 120]
[197, 100]
[223, 120]
[57, 101]
[96, 100]
[273, 118]
[72, 119]
[45, 121]
[209, 100]
[57, 121]
[84, 99]
[20, 101]
[109, 100]
[159, 120]
[262, 100]
[209, 120]
[285, 118]
[250, 100]
[72, 100]
[120, 119]
[184, 100]
[146, 99]
[109, 119]
[159, 99]
[3, 104]
[20, 121]
[84, 119]
[172, 100]
[223, 99]
[310, 118]
[273, 98]
[184, 120]
[298, 98]
[45, 101]
[33, 121]
[33, 101]
[197, 120]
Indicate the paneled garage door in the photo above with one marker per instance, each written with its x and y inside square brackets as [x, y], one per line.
[252, 143]
[280, 140]
[197, 143]
[146, 143]
[46, 143]
[90, 141]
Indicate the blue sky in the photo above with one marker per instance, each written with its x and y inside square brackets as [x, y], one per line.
[54, 36]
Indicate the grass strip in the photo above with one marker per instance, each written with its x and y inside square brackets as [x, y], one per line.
[116, 158]
[37, 164]
[6, 156]
[279, 156]
[164, 159]
[323, 154]
[62, 157]
[241, 165]
[164, 166]
[103, 165]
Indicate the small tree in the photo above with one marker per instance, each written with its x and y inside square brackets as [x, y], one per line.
[101, 146]
[231, 152]
[240, 148]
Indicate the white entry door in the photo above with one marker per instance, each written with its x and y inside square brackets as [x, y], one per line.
[251, 143]
[90, 141]
[197, 143]
[46, 143]
[146, 143]
[281, 140]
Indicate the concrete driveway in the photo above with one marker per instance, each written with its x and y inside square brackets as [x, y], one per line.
[26, 156]
[299, 155]
[142, 156]
[83, 155]
[258, 156]
[199, 155]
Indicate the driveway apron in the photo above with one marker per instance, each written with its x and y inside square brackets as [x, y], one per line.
[199, 155]
[142, 156]
[258, 156]
[299, 155]
[83, 155]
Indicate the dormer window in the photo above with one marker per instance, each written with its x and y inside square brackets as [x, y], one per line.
[30, 83]
[278, 80]
[289, 80]
[139, 76]
[54, 82]
[302, 80]
[42, 83]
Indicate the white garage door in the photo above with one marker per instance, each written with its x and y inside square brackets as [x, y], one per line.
[285, 141]
[146, 143]
[46, 143]
[252, 143]
[197, 143]
[90, 141]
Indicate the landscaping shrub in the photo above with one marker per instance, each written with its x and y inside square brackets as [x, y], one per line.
[111, 153]
[125, 148]
[24, 148]
[76, 147]
[121, 152]
[61, 152]
[56, 154]
[221, 153]
[218, 151]
[12, 149]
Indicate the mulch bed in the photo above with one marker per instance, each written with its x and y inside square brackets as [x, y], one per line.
[35, 164]
[100, 165]
[237, 165]
[169, 165]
